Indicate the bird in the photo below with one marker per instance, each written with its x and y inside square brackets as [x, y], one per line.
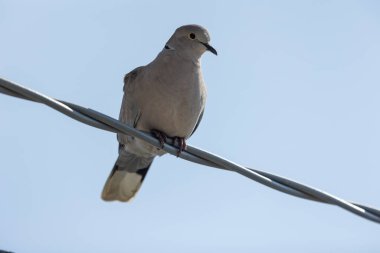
[166, 98]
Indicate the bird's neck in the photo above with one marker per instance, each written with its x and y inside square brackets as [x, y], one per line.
[173, 56]
[177, 70]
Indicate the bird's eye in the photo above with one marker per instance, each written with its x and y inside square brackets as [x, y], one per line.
[192, 36]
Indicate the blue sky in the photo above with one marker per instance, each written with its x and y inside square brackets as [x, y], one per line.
[294, 91]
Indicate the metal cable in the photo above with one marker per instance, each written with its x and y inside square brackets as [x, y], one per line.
[193, 154]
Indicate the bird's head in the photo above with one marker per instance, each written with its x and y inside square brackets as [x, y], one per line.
[190, 41]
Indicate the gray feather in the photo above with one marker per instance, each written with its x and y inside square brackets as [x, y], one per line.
[126, 177]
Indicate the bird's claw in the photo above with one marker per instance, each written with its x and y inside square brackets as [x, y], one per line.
[181, 144]
[176, 140]
[160, 136]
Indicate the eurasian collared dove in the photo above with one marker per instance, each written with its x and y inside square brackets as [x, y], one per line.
[166, 97]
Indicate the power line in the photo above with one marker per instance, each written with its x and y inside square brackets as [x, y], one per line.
[193, 154]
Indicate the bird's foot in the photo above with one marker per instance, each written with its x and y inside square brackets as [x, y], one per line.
[160, 136]
[181, 144]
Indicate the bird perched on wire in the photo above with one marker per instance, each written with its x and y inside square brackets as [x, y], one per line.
[167, 98]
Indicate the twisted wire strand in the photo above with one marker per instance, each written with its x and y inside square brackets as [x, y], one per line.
[96, 119]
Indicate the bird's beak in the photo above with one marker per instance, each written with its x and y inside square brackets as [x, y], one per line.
[210, 48]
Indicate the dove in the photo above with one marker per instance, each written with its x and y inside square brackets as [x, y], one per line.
[167, 98]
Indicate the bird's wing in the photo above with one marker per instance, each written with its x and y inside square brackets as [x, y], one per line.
[198, 122]
[129, 111]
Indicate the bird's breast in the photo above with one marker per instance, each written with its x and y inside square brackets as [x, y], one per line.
[175, 103]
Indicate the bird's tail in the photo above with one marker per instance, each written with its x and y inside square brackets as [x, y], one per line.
[126, 177]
